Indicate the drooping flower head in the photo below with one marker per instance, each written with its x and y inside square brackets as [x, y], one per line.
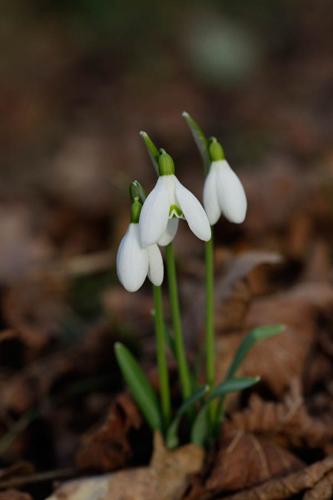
[223, 191]
[134, 262]
[168, 202]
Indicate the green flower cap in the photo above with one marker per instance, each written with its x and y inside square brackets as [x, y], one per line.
[165, 163]
[215, 149]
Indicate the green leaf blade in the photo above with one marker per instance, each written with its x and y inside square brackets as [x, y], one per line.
[232, 385]
[200, 428]
[260, 333]
[196, 396]
[139, 386]
[172, 433]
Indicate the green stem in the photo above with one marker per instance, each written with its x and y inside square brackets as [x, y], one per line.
[209, 326]
[184, 373]
[161, 350]
[209, 313]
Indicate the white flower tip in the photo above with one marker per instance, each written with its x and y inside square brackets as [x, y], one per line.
[129, 287]
[236, 212]
[207, 234]
[194, 213]
[132, 260]
[238, 218]
[169, 233]
[231, 194]
[185, 114]
[156, 270]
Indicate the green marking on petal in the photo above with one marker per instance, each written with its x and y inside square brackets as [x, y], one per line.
[175, 211]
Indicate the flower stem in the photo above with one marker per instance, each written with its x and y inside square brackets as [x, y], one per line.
[209, 325]
[209, 312]
[184, 374]
[161, 350]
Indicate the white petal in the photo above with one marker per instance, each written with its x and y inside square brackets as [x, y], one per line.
[194, 213]
[154, 214]
[231, 194]
[132, 260]
[210, 200]
[170, 232]
[156, 270]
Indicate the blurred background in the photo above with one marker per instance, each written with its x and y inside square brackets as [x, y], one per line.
[79, 80]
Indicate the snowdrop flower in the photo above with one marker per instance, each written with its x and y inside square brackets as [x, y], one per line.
[223, 191]
[134, 262]
[167, 202]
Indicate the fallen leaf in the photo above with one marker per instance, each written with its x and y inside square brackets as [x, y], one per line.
[281, 358]
[241, 278]
[244, 460]
[14, 495]
[289, 421]
[166, 478]
[322, 490]
[22, 249]
[289, 485]
[108, 447]
[17, 469]
[35, 310]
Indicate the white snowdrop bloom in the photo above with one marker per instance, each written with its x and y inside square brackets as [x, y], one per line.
[170, 232]
[224, 193]
[134, 262]
[167, 202]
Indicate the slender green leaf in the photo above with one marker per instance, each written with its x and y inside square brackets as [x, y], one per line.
[152, 150]
[199, 138]
[139, 386]
[172, 433]
[200, 428]
[248, 342]
[232, 385]
[196, 396]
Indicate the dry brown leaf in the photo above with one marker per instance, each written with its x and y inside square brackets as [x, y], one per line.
[21, 391]
[35, 310]
[288, 420]
[22, 248]
[242, 277]
[17, 469]
[234, 291]
[14, 495]
[279, 359]
[323, 490]
[289, 485]
[166, 478]
[107, 447]
[245, 460]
